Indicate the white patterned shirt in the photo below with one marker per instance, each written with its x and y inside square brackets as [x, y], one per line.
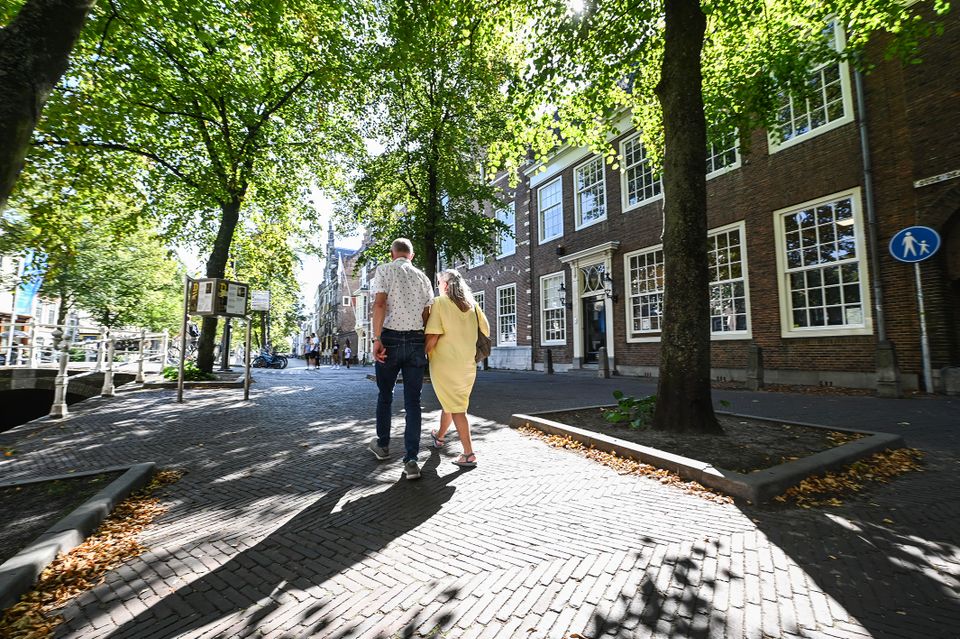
[408, 293]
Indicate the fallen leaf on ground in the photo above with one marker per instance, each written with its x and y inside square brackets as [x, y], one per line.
[822, 490]
[81, 569]
[627, 466]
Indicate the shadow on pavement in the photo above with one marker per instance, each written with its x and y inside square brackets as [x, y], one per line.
[318, 543]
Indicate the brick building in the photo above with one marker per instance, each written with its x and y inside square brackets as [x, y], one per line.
[799, 230]
[335, 311]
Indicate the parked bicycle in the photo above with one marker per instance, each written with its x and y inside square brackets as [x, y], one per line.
[268, 358]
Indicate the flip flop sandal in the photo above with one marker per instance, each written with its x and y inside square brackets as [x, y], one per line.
[437, 442]
[464, 461]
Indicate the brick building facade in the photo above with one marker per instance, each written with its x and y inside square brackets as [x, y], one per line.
[799, 233]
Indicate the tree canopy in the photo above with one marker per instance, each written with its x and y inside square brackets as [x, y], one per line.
[217, 108]
[438, 102]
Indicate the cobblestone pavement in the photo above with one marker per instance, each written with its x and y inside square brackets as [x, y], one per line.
[285, 526]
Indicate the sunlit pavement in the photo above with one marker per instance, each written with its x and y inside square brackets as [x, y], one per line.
[286, 526]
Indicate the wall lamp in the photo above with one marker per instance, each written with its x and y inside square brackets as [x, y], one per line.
[608, 287]
[563, 296]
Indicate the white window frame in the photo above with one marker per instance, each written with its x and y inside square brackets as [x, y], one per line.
[641, 336]
[512, 209]
[730, 167]
[476, 259]
[577, 213]
[624, 194]
[654, 335]
[747, 333]
[540, 225]
[846, 90]
[543, 310]
[480, 297]
[501, 315]
[783, 285]
[346, 300]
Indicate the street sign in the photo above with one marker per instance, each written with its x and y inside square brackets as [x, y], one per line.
[215, 296]
[259, 300]
[914, 244]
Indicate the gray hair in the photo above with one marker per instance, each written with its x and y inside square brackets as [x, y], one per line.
[402, 245]
[457, 289]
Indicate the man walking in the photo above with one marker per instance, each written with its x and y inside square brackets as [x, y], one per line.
[400, 310]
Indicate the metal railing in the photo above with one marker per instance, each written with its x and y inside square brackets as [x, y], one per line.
[92, 348]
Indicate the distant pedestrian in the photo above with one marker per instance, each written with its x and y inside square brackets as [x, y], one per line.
[314, 351]
[452, 329]
[335, 355]
[403, 296]
[347, 354]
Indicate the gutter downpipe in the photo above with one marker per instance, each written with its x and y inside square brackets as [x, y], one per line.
[888, 374]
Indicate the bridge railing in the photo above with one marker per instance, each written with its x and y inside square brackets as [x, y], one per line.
[35, 344]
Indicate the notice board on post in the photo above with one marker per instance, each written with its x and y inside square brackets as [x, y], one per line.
[219, 297]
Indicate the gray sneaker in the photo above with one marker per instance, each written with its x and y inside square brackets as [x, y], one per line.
[411, 469]
[379, 453]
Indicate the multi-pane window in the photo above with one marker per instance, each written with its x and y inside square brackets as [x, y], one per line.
[507, 315]
[823, 267]
[640, 181]
[728, 286]
[822, 103]
[550, 210]
[645, 272]
[590, 195]
[553, 316]
[477, 258]
[728, 291]
[508, 240]
[478, 297]
[722, 153]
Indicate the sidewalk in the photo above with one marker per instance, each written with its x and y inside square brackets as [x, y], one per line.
[285, 526]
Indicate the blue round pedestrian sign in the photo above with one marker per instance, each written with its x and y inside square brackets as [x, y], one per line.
[914, 244]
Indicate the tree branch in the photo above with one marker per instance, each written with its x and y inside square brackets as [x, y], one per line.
[113, 146]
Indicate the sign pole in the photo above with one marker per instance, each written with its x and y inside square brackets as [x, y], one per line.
[924, 340]
[183, 336]
[246, 362]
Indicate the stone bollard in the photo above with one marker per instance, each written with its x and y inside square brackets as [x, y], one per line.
[101, 347]
[549, 364]
[108, 390]
[58, 410]
[143, 347]
[754, 367]
[888, 373]
[164, 349]
[603, 363]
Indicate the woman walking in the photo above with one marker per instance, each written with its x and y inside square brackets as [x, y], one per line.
[451, 345]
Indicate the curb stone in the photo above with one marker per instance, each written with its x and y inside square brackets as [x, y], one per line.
[756, 487]
[20, 572]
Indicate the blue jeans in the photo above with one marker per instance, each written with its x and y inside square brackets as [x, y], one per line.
[405, 353]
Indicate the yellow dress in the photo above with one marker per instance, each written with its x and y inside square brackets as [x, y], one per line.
[452, 366]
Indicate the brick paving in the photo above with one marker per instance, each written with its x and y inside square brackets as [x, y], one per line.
[285, 526]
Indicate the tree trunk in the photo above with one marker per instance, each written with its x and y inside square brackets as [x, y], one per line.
[34, 51]
[434, 215]
[683, 393]
[216, 267]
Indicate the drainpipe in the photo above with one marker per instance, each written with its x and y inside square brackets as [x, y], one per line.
[888, 375]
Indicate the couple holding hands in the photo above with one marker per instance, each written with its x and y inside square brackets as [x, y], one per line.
[410, 325]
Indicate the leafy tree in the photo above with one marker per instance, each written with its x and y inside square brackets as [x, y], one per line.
[265, 256]
[438, 105]
[681, 65]
[93, 250]
[228, 106]
[34, 46]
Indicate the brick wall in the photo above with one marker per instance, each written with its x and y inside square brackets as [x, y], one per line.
[912, 119]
